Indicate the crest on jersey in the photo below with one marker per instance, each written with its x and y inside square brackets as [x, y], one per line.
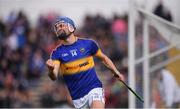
[82, 50]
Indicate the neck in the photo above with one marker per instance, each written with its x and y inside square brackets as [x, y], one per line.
[70, 40]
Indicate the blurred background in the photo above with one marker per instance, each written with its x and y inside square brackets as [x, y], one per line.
[27, 39]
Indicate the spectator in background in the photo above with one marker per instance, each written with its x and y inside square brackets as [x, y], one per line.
[168, 88]
[119, 31]
[162, 11]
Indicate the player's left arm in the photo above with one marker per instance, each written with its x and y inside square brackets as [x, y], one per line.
[109, 64]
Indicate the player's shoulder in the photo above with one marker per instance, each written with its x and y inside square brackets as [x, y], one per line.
[56, 51]
[86, 40]
[57, 48]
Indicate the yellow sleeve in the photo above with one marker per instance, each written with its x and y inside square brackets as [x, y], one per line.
[56, 62]
[98, 53]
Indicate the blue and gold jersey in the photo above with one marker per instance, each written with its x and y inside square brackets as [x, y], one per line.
[77, 66]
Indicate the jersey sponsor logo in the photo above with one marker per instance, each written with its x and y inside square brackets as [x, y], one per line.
[73, 52]
[83, 64]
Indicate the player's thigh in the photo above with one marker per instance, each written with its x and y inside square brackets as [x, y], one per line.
[96, 98]
[97, 104]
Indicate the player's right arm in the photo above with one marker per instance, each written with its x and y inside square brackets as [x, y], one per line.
[53, 67]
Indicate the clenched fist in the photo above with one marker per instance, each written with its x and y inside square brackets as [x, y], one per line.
[50, 64]
[51, 67]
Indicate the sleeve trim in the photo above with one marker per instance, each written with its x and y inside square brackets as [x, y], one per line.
[56, 61]
[98, 53]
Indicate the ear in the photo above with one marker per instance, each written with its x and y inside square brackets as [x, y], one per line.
[71, 28]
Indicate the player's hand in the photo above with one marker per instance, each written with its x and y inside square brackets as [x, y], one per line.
[50, 64]
[120, 77]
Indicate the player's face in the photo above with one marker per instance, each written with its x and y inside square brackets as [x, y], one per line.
[62, 31]
[60, 28]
